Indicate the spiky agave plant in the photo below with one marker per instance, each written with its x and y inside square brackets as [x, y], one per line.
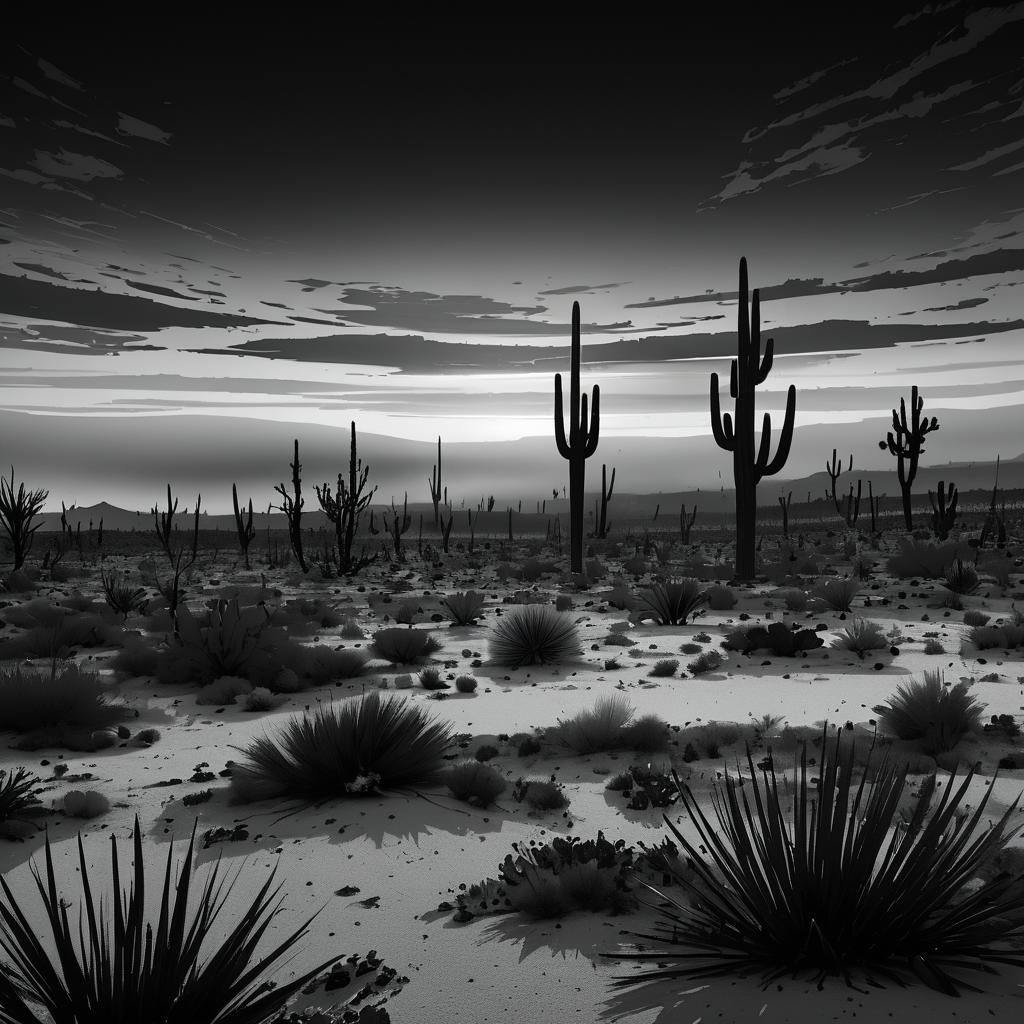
[672, 603]
[820, 900]
[130, 973]
[534, 634]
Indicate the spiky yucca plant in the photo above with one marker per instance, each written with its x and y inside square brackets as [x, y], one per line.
[596, 728]
[818, 899]
[860, 636]
[838, 594]
[130, 973]
[535, 634]
[672, 603]
[931, 712]
[465, 607]
[361, 745]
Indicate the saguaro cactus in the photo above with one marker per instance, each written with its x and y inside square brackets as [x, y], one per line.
[246, 531]
[603, 526]
[735, 433]
[582, 441]
[943, 510]
[906, 442]
[435, 483]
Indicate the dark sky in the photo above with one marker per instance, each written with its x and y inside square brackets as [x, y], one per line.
[250, 218]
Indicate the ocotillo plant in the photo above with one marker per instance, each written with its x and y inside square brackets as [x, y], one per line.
[398, 525]
[292, 509]
[344, 509]
[435, 482]
[993, 519]
[835, 471]
[748, 370]
[784, 504]
[581, 443]
[164, 527]
[603, 525]
[246, 531]
[943, 510]
[906, 442]
[16, 514]
[685, 525]
[874, 505]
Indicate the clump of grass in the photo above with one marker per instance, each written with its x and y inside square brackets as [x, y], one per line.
[465, 684]
[671, 603]
[66, 696]
[534, 635]
[720, 598]
[121, 596]
[795, 600]
[464, 607]
[403, 646]
[939, 717]
[933, 646]
[485, 752]
[525, 744]
[223, 690]
[595, 729]
[973, 617]
[1007, 636]
[961, 577]
[838, 594]
[707, 661]
[262, 699]
[861, 636]
[355, 746]
[664, 667]
[88, 804]
[543, 795]
[430, 679]
[689, 648]
[476, 783]
[648, 734]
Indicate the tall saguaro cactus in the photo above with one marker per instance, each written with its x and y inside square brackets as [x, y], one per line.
[735, 433]
[582, 441]
[435, 483]
[906, 442]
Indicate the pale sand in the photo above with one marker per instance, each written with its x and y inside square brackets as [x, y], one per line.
[412, 853]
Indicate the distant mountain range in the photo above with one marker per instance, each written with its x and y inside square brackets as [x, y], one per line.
[975, 477]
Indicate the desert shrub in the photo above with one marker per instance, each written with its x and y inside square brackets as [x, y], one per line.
[716, 735]
[646, 734]
[756, 908]
[138, 657]
[972, 617]
[19, 805]
[933, 646]
[262, 699]
[928, 711]
[356, 746]
[303, 616]
[961, 577]
[783, 640]
[465, 684]
[795, 600]
[635, 566]
[485, 752]
[223, 690]
[543, 795]
[350, 628]
[525, 744]
[89, 804]
[200, 796]
[620, 782]
[475, 782]
[720, 598]
[18, 582]
[671, 603]
[403, 646]
[146, 736]
[133, 970]
[563, 603]
[689, 648]
[121, 595]
[1007, 636]
[838, 594]
[620, 597]
[58, 638]
[63, 696]
[536, 634]
[594, 729]
[862, 635]
[664, 667]
[998, 569]
[707, 661]
[701, 638]
[464, 607]
[430, 679]
[926, 560]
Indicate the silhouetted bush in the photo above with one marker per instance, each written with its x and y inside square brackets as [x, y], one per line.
[63, 695]
[672, 603]
[403, 646]
[475, 782]
[534, 635]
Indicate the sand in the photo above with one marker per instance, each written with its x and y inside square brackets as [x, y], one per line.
[405, 853]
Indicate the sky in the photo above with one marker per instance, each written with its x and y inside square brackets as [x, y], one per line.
[213, 244]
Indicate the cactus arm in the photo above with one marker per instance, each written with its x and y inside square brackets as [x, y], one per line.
[560, 440]
[785, 438]
[721, 426]
[766, 362]
[732, 380]
[593, 433]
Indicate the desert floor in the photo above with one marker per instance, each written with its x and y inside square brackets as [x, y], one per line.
[406, 853]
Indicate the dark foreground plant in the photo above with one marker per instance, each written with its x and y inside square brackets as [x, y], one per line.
[64, 695]
[359, 746]
[534, 635]
[18, 804]
[131, 973]
[670, 604]
[816, 901]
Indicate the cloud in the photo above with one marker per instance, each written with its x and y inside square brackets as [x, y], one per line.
[25, 297]
[77, 166]
[128, 125]
[988, 157]
[430, 313]
[72, 341]
[962, 304]
[157, 289]
[310, 284]
[574, 289]
[793, 287]
[87, 131]
[56, 75]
